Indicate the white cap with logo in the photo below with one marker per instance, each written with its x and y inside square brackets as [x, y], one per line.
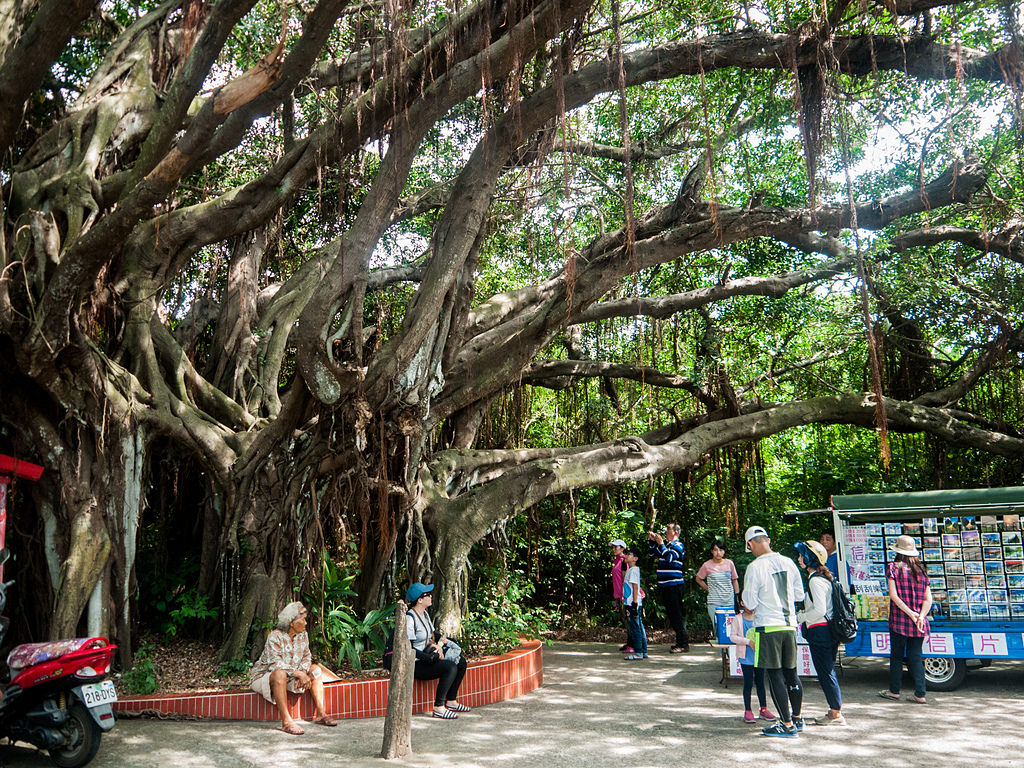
[753, 532]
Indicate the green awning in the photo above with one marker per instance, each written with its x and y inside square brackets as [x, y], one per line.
[950, 503]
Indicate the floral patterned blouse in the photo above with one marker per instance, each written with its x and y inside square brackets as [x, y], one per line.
[283, 652]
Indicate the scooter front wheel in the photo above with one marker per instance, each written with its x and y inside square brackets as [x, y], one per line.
[83, 739]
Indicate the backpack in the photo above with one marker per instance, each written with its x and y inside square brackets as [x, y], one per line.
[389, 649]
[843, 621]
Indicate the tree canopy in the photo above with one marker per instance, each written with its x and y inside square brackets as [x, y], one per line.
[392, 273]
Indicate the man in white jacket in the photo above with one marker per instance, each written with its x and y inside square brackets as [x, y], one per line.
[771, 588]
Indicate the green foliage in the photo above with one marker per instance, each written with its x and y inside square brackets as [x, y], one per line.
[501, 617]
[141, 678]
[342, 634]
[352, 639]
[191, 607]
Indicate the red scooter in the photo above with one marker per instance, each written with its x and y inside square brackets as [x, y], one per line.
[58, 698]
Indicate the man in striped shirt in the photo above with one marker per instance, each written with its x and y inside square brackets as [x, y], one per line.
[671, 581]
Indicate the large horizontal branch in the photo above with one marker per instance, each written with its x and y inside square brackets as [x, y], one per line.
[493, 359]
[559, 374]
[773, 286]
[1007, 242]
[479, 507]
[640, 151]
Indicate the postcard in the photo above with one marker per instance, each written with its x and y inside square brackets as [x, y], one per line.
[992, 553]
[876, 542]
[972, 553]
[977, 596]
[974, 567]
[893, 529]
[987, 520]
[967, 523]
[956, 582]
[971, 536]
[1015, 579]
[988, 539]
[959, 611]
[954, 566]
[932, 554]
[876, 571]
[1017, 610]
[951, 553]
[930, 525]
[975, 581]
[1011, 522]
[890, 541]
[1013, 552]
[979, 610]
[951, 539]
[1011, 537]
[934, 569]
[932, 541]
[1016, 567]
[1016, 595]
[876, 556]
[937, 582]
[999, 611]
[951, 525]
[995, 580]
[912, 529]
[996, 596]
[874, 529]
[988, 527]
[993, 566]
[958, 595]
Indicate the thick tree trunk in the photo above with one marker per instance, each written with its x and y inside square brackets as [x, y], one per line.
[398, 720]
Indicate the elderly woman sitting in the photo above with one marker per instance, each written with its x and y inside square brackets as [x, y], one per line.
[287, 665]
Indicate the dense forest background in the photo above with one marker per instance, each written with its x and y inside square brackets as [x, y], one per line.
[317, 298]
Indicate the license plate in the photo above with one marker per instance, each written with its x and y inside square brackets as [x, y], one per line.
[95, 694]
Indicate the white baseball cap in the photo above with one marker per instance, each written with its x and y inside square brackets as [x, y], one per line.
[618, 543]
[753, 532]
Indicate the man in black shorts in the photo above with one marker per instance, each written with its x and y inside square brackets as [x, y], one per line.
[771, 587]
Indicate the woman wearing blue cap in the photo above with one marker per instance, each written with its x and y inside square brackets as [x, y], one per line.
[436, 657]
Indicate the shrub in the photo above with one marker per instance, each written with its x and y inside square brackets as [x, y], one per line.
[141, 678]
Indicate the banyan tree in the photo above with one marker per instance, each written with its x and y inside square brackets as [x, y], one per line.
[300, 249]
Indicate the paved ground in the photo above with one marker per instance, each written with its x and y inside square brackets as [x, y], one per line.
[596, 710]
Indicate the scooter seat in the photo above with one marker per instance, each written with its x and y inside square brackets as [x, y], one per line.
[30, 654]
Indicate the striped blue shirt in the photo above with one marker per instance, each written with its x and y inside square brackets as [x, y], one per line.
[670, 563]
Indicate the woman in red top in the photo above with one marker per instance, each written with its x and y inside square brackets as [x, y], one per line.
[910, 599]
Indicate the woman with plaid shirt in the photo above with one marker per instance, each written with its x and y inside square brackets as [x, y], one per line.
[910, 599]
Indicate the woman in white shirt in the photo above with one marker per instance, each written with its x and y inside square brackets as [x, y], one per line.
[817, 608]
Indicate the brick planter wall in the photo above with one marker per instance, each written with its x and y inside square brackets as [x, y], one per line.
[488, 680]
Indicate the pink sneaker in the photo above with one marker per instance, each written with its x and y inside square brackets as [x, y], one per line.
[766, 715]
[748, 717]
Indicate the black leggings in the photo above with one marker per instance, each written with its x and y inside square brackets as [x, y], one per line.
[448, 674]
[785, 687]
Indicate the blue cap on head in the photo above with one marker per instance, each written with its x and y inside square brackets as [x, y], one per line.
[813, 553]
[416, 591]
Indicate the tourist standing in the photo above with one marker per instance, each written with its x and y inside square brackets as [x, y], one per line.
[669, 551]
[910, 600]
[811, 555]
[618, 572]
[633, 599]
[771, 587]
[719, 578]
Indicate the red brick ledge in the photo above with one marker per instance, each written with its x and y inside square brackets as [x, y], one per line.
[487, 680]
